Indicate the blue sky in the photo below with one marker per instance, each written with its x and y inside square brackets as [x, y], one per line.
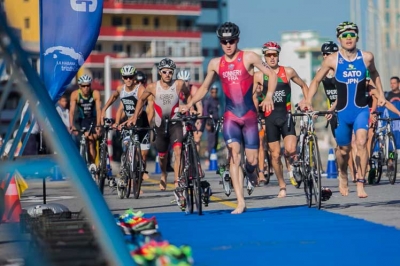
[265, 20]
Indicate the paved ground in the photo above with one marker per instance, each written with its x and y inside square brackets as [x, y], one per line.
[381, 207]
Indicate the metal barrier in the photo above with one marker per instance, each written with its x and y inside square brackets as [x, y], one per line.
[25, 79]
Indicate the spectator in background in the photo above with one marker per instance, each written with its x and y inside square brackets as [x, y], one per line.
[63, 111]
[32, 146]
[211, 107]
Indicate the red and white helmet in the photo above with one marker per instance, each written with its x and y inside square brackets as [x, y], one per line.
[271, 46]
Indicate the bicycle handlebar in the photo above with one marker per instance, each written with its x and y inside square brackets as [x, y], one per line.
[312, 113]
[185, 118]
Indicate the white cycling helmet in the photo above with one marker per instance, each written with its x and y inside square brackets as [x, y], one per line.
[184, 75]
[84, 79]
[128, 70]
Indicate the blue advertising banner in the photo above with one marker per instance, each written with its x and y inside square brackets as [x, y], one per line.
[68, 32]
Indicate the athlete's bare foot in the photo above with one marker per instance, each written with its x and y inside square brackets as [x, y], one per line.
[282, 192]
[145, 176]
[163, 182]
[261, 179]
[343, 185]
[360, 189]
[239, 209]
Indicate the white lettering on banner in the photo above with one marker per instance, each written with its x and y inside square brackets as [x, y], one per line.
[66, 58]
[84, 5]
[278, 96]
[232, 74]
[352, 73]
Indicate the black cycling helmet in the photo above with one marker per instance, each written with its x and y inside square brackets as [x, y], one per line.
[344, 26]
[329, 47]
[228, 31]
[140, 77]
[166, 63]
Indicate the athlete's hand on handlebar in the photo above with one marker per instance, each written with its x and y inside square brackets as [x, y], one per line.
[305, 105]
[184, 108]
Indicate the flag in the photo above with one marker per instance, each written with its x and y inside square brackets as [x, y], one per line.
[68, 32]
[20, 182]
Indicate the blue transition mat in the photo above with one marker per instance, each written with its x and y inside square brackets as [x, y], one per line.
[281, 236]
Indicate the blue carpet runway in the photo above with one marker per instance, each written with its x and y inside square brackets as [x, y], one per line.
[281, 236]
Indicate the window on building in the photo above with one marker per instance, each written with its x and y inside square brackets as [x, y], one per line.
[97, 74]
[209, 4]
[208, 28]
[27, 23]
[145, 21]
[302, 55]
[128, 23]
[118, 48]
[204, 52]
[156, 23]
[98, 47]
[387, 3]
[116, 21]
[196, 74]
[216, 52]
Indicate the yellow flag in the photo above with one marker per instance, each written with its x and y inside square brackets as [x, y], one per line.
[20, 182]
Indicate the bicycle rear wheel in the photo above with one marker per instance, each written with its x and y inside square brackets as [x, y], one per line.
[316, 172]
[391, 162]
[137, 173]
[195, 177]
[267, 161]
[377, 153]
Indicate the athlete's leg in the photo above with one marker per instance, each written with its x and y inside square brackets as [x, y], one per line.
[236, 176]
[361, 128]
[275, 150]
[361, 161]
[92, 149]
[343, 135]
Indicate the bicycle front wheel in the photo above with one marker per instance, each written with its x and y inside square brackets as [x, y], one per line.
[138, 172]
[316, 171]
[195, 176]
[305, 173]
[102, 167]
[391, 162]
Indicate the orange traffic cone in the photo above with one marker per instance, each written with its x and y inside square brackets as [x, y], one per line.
[12, 204]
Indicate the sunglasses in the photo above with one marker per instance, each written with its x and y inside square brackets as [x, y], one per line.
[325, 54]
[271, 55]
[128, 77]
[85, 86]
[225, 42]
[346, 35]
[165, 72]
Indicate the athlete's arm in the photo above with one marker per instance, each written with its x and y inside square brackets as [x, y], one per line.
[296, 79]
[139, 105]
[202, 91]
[370, 63]
[199, 104]
[97, 100]
[118, 116]
[267, 104]
[110, 101]
[257, 81]
[327, 64]
[388, 104]
[150, 108]
[72, 106]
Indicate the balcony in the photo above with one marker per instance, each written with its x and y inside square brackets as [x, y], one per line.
[168, 7]
[139, 33]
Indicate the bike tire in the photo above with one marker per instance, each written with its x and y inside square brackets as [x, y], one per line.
[137, 173]
[316, 173]
[196, 178]
[267, 161]
[130, 163]
[102, 173]
[379, 158]
[391, 171]
[184, 175]
[300, 152]
[305, 172]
